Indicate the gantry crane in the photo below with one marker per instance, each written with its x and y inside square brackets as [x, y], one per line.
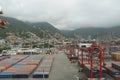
[95, 56]
[71, 51]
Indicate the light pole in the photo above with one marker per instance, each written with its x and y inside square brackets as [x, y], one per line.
[43, 43]
[1, 10]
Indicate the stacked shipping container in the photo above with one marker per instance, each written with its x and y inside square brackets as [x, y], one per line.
[4, 57]
[31, 60]
[95, 71]
[6, 63]
[84, 62]
[44, 68]
[116, 56]
[114, 70]
[22, 69]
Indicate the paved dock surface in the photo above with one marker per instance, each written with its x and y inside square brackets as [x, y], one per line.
[62, 69]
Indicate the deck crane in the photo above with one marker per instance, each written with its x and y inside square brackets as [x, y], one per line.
[3, 22]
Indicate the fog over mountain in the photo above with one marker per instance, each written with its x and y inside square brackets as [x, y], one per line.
[65, 14]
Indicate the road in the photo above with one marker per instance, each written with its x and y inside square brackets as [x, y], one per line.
[63, 69]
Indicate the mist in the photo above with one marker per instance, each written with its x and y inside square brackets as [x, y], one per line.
[65, 14]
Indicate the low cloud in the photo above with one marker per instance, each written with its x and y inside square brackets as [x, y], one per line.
[65, 14]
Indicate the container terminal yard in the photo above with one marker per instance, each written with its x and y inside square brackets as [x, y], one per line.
[74, 60]
[61, 68]
[70, 61]
[61, 65]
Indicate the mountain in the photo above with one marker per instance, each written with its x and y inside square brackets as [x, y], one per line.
[17, 27]
[45, 29]
[90, 31]
[68, 33]
[46, 26]
[48, 29]
[94, 32]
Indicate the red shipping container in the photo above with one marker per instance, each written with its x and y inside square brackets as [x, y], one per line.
[46, 63]
[117, 77]
[12, 70]
[32, 63]
[6, 65]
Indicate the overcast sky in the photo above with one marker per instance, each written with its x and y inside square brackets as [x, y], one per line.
[65, 14]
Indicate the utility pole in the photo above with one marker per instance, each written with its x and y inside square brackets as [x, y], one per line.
[43, 42]
[49, 44]
[1, 10]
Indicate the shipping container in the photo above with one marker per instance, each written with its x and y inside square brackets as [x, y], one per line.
[112, 71]
[116, 56]
[6, 75]
[4, 57]
[95, 71]
[116, 65]
[117, 77]
[44, 68]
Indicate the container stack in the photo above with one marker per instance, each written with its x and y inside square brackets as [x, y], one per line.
[6, 63]
[18, 71]
[22, 69]
[95, 71]
[85, 58]
[44, 68]
[107, 57]
[4, 57]
[114, 71]
[31, 60]
[84, 62]
[116, 56]
[85, 55]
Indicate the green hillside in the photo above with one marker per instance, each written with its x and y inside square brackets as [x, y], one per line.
[94, 32]
[46, 26]
[18, 27]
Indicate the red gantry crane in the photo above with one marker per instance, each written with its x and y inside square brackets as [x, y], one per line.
[96, 54]
[71, 51]
[95, 58]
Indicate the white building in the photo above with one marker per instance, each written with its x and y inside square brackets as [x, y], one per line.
[84, 45]
[2, 42]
